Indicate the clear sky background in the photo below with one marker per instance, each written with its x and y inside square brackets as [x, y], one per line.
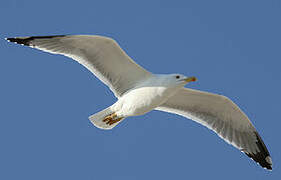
[232, 47]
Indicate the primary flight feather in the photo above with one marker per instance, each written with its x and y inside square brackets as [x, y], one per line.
[139, 91]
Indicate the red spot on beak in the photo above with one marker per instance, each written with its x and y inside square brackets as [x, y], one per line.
[194, 79]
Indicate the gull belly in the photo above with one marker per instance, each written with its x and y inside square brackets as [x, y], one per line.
[142, 100]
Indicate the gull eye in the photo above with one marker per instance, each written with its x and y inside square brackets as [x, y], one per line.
[177, 77]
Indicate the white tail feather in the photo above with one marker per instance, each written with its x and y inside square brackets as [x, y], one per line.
[97, 119]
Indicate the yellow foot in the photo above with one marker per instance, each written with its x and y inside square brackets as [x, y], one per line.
[113, 121]
[110, 119]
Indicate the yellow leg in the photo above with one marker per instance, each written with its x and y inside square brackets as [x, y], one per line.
[114, 121]
[110, 119]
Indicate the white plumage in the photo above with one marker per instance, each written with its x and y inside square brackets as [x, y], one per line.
[139, 91]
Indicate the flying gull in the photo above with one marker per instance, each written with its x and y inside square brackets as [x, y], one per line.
[139, 91]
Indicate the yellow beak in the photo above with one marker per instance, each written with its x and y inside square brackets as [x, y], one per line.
[190, 79]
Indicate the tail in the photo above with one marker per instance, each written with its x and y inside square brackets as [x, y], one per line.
[99, 119]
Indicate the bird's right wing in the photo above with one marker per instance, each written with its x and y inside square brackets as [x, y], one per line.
[224, 117]
[101, 55]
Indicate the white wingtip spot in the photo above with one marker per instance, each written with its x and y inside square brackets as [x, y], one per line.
[268, 160]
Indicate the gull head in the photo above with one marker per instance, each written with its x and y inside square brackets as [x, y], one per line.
[177, 80]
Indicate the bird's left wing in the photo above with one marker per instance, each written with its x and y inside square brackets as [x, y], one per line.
[224, 117]
[101, 55]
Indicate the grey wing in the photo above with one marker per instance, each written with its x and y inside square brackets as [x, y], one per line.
[224, 117]
[101, 55]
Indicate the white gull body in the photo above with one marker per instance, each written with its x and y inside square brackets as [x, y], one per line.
[139, 91]
[148, 95]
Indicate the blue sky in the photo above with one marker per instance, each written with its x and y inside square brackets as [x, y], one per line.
[232, 47]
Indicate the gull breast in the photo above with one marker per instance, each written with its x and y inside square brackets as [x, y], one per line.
[140, 101]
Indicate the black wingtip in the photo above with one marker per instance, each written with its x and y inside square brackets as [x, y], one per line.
[26, 40]
[262, 157]
[23, 41]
